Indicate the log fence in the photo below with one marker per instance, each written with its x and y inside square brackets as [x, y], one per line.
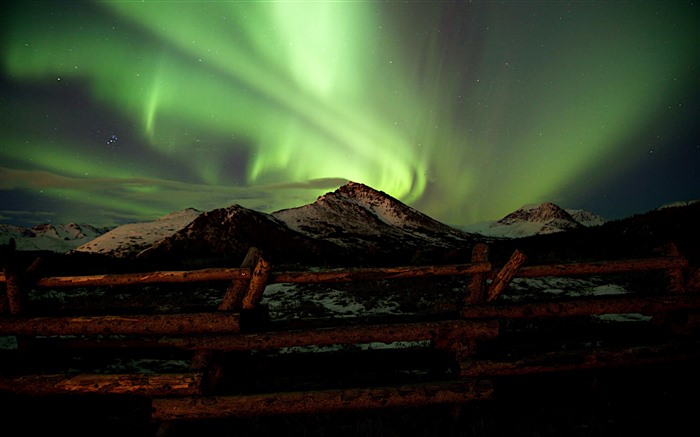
[466, 347]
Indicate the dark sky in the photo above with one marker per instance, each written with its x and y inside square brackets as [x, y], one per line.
[116, 112]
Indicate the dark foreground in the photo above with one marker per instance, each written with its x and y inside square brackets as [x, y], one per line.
[647, 400]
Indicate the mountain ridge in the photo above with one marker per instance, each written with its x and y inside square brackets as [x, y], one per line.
[355, 223]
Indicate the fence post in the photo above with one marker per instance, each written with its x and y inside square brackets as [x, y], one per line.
[477, 283]
[505, 275]
[211, 362]
[675, 279]
[679, 323]
[233, 299]
[257, 284]
[13, 283]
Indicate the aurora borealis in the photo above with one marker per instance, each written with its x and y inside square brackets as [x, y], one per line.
[120, 111]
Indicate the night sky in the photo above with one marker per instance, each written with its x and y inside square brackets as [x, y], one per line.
[120, 111]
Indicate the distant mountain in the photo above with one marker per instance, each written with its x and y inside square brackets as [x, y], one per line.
[130, 239]
[638, 236]
[49, 237]
[228, 233]
[353, 224]
[358, 217]
[542, 219]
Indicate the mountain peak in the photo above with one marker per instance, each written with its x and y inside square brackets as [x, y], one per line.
[543, 213]
[544, 218]
[356, 216]
[357, 191]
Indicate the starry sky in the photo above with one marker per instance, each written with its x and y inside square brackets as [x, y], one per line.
[122, 111]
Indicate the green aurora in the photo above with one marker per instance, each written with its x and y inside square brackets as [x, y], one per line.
[119, 111]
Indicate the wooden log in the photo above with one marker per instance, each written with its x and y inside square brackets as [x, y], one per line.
[4, 305]
[583, 307]
[375, 274]
[13, 299]
[340, 335]
[257, 285]
[675, 278]
[169, 384]
[582, 359]
[599, 267]
[477, 284]
[14, 291]
[230, 274]
[233, 299]
[451, 392]
[219, 274]
[158, 324]
[360, 274]
[505, 275]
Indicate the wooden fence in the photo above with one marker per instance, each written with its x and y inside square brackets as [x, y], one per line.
[464, 349]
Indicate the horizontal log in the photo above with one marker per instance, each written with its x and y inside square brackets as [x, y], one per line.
[155, 324]
[175, 384]
[583, 307]
[358, 274]
[357, 334]
[452, 392]
[579, 360]
[340, 335]
[598, 267]
[375, 274]
[226, 274]
[144, 278]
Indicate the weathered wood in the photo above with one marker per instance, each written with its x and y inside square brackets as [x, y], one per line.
[375, 274]
[169, 384]
[220, 274]
[157, 324]
[582, 359]
[505, 275]
[450, 331]
[582, 307]
[257, 285]
[675, 278]
[339, 335]
[477, 284]
[233, 299]
[226, 274]
[13, 290]
[360, 274]
[598, 267]
[452, 392]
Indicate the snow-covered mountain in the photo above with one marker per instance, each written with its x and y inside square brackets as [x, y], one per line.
[356, 216]
[355, 222]
[54, 238]
[545, 218]
[130, 239]
[679, 204]
[228, 233]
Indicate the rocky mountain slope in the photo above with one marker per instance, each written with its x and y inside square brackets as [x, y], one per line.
[364, 220]
[226, 234]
